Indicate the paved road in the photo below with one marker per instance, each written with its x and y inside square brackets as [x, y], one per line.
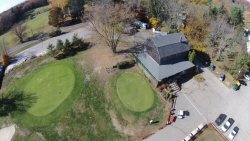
[41, 48]
[21, 46]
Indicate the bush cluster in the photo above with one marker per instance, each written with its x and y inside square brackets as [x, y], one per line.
[67, 48]
[126, 64]
[55, 33]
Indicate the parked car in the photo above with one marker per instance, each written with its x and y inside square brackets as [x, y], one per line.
[219, 120]
[222, 77]
[242, 82]
[247, 76]
[1, 71]
[227, 125]
[140, 25]
[233, 133]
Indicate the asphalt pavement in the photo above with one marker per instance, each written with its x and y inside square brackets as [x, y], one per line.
[41, 48]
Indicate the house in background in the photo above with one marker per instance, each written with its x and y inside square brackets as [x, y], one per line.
[165, 57]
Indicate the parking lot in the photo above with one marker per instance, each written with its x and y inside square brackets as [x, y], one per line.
[182, 127]
[205, 101]
[212, 98]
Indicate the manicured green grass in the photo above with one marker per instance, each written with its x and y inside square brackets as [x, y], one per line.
[88, 118]
[135, 92]
[55, 87]
[51, 85]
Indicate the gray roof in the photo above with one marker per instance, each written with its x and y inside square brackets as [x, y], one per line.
[169, 39]
[162, 71]
[170, 44]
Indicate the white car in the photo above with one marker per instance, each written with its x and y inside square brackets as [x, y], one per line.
[247, 76]
[233, 133]
[227, 125]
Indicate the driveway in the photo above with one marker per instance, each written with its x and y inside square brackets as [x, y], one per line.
[212, 97]
[181, 127]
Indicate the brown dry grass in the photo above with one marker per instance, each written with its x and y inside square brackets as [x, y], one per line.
[210, 134]
[247, 19]
[135, 125]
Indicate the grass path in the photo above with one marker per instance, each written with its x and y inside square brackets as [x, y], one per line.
[134, 92]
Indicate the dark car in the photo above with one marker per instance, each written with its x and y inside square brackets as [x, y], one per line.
[220, 119]
[242, 82]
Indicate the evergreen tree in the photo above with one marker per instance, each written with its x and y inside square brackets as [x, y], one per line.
[67, 48]
[51, 50]
[191, 56]
[59, 45]
[236, 16]
[76, 8]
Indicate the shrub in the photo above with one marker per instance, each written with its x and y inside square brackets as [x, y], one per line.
[154, 22]
[55, 33]
[126, 64]
[6, 59]
[59, 45]
[67, 48]
[78, 43]
[191, 56]
[51, 50]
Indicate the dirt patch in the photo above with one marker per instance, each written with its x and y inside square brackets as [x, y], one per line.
[210, 134]
[102, 60]
[120, 127]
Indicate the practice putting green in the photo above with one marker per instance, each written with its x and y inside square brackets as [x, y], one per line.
[134, 92]
[51, 84]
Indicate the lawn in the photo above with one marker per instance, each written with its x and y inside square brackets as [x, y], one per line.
[135, 92]
[51, 85]
[37, 25]
[55, 86]
[210, 134]
[82, 116]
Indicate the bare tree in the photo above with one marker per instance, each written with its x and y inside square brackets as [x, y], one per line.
[108, 21]
[156, 7]
[221, 36]
[172, 9]
[19, 31]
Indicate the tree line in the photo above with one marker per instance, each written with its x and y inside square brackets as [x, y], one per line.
[15, 14]
[63, 11]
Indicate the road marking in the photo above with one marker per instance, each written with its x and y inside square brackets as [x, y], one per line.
[195, 107]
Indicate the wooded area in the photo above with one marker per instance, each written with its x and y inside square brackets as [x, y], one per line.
[15, 14]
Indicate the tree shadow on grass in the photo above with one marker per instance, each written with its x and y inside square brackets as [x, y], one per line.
[16, 101]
